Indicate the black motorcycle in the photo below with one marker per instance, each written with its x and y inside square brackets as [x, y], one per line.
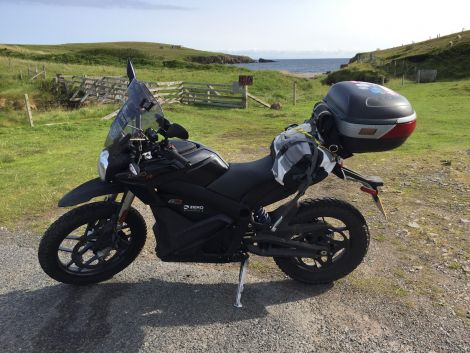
[206, 210]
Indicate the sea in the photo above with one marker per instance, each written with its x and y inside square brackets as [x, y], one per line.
[298, 65]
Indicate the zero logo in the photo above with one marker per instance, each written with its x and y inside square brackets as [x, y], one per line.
[193, 208]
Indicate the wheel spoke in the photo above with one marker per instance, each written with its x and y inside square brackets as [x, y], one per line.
[91, 259]
[73, 237]
[339, 229]
[85, 249]
[340, 243]
[61, 248]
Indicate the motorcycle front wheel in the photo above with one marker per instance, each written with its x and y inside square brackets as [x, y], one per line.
[347, 238]
[85, 246]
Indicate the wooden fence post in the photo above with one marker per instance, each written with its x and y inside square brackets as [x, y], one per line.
[28, 109]
[419, 76]
[245, 96]
[383, 80]
[402, 79]
[21, 75]
[294, 93]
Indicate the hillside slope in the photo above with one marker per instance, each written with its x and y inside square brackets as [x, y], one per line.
[115, 53]
[449, 54]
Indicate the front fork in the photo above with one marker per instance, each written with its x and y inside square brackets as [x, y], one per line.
[126, 203]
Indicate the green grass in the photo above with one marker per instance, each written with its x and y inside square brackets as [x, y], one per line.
[443, 110]
[431, 46]
[114, 53]
[271, 86]
[451, 61]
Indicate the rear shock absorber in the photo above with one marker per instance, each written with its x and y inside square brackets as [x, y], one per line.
[261, 216]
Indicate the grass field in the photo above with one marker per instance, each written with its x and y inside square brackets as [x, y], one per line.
[38, 165]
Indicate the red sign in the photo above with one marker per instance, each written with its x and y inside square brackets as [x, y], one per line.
[244, 80]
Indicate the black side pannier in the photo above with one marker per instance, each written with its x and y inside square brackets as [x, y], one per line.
[298, 159]
[358, 117]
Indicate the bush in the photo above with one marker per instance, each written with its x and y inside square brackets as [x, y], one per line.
[178, 64]
[355, 74]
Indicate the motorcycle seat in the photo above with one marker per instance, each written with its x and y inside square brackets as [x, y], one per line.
[241, 178]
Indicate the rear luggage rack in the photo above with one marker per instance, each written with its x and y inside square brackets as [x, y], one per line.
[372, 181]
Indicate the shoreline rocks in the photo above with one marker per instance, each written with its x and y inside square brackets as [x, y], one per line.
[261, 61]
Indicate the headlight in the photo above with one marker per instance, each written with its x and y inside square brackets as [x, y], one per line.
[103, 164]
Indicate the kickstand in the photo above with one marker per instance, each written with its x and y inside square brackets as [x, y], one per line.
[241, 282]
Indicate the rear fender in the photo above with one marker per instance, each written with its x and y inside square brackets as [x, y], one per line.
[91, 189]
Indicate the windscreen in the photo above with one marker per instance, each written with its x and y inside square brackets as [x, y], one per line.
[137, 113]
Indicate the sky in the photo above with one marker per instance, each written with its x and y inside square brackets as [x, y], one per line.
[258, 28]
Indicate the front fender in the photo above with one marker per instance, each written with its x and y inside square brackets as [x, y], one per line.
[89, 190]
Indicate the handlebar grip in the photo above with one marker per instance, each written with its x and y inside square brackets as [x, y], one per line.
[179, 157]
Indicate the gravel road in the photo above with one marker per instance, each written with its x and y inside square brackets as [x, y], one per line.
[165, 307]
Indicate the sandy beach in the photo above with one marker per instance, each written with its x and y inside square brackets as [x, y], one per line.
[309, 75]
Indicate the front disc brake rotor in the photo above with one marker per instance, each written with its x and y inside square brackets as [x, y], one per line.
[98, 242]
[98, 257]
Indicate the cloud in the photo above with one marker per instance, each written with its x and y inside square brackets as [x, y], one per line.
[105, 4]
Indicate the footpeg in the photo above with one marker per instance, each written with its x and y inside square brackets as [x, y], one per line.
[241, 282]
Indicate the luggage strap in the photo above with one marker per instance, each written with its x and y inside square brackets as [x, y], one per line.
[310, 173]
[288, 212]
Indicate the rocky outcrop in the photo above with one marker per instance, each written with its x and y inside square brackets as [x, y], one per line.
[363, 58]
[261, 60]
[221, 59]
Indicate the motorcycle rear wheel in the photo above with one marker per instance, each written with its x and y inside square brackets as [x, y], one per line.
[82, 247]
[348, 238]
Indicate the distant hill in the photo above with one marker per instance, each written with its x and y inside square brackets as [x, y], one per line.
[115, 53]
[449, 54]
